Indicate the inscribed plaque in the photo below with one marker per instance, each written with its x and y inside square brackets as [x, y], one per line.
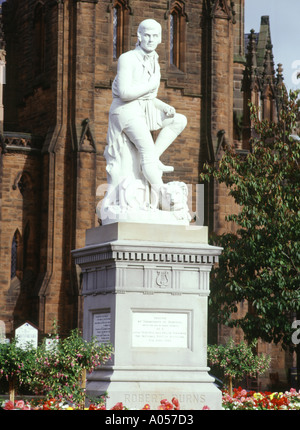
[101, 326]
[160, 329]
[26, 335]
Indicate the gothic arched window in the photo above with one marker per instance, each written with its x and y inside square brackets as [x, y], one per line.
[16, 256]
[177, 24]
[120, 25]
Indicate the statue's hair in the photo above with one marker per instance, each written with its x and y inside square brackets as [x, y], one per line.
[148, 23]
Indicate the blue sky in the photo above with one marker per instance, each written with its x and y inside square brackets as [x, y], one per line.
[285, 33]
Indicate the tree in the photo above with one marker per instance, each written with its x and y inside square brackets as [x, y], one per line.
[261, 262]
[16, 365]
[237, 361]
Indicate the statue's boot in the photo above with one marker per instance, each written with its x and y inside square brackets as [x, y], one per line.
[165, 168]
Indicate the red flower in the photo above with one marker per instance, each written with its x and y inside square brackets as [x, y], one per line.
[146, 407]
[176, 404]
[93, 407]
[9, 405]
[279, 402]
[46, 407]
[165, 405]
[118, 407]
[20, 404]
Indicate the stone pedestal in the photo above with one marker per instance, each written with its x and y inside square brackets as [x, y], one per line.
[145, 290]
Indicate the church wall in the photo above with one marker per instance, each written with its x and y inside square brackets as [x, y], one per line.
[31, 97]
[19, 212]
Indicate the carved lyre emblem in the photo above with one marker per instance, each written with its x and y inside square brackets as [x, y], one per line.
[162, 278]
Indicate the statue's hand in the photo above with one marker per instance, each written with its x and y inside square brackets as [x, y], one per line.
[169, 111]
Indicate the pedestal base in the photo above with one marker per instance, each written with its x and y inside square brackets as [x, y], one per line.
[135, 395]
[145, 290]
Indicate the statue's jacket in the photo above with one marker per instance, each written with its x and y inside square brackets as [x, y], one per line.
[131, 100]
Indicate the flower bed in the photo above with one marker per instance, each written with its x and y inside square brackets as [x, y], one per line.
[251, 400]
[54, 404]
[241, 400]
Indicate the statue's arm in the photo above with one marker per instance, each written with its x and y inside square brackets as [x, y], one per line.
[128, 89]
[164, 107]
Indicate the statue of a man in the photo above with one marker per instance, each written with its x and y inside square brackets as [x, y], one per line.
[135, 110]
[135, 185]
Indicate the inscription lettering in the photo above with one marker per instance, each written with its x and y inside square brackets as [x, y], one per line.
[101, 326]
[153, 398]
[160, 329]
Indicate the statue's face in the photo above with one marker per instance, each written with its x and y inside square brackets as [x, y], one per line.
[149, 39]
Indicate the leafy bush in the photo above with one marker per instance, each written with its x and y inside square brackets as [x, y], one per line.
[60, 371]
[237, 361]
[56, 372]
[16, 365]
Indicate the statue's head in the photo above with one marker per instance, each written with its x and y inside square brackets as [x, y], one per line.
[149, 35]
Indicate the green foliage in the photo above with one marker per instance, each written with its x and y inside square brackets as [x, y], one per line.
[16, 364]
[261, 262]
[55, 372]
[59, 370]
[238, 361]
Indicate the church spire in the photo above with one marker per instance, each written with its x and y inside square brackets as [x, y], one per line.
[251, 59]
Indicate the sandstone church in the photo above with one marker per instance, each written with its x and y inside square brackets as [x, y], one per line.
[60, 59]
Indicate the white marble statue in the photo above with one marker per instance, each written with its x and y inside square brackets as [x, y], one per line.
[136, 191]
